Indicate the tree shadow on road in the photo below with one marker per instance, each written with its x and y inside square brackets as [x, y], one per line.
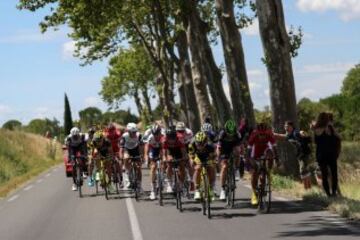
[321, 226]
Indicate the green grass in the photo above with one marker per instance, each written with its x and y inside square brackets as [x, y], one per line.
[23, 156]
[349, 174]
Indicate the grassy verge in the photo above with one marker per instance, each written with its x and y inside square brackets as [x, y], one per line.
[349, 174]
[23, 156]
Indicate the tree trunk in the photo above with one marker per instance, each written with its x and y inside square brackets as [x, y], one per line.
[276, 46]
[183, 103]
[213, 76]
[148, 109]
[197, 60]
[235, 61]
[138, 103]
[191, 108]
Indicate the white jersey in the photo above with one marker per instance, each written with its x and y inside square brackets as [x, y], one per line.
[128, 142]
[188, 135]
[153, 143]
[146, 136]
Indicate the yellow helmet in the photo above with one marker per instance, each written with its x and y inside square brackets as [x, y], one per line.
[200, 137]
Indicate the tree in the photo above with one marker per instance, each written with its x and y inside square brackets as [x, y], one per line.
[277, 58]
[308, 111]
[90, 116]
[121, 116]
[42, 126]
[68, 123]
[234, 59]
[12, 125]
[131, 73]
[276, 44]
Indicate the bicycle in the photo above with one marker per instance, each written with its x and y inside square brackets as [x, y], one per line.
[230, 183]
[159, 177]
[78, 165]
[264, 186]
[205, 190]
[178, 189]
[133, 175]
[116, 174]
[104, 176]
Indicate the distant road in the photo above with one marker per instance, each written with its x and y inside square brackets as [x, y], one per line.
[47, 209]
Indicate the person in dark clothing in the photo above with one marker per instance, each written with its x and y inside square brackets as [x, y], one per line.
[302, 142]
[327, 151]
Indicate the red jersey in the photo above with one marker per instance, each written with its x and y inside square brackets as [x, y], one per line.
[173, 143]
[260, 141]
[114, 137]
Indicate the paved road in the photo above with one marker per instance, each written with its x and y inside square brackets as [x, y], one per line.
[46, 209]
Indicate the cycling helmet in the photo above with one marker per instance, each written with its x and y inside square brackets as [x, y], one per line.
[155, 129]
[180, 126]
[230, 127]
[206, 127]
[131, 127]
[200, 138]
[75, 131]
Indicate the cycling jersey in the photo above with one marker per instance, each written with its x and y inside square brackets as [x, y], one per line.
[104, 149]
[204, 155]
[228, 142]
[154, 144]
[114, 137]
[75, 145]
[174, 146]
[146, 136]
[260, 141]
[129, 142]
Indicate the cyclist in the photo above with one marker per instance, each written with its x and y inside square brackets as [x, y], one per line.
[75, 142]
[185, 135]
[131, 147]
[152, 152]
[207, 128]
[229, 143]
[174, 148]
[90, 149]
[261, 144]
[114, 135]
[245, 130]
[201, 151]
[103, 149]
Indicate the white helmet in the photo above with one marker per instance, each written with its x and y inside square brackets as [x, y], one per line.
[74, 131]
[131, 127]
[180, 126]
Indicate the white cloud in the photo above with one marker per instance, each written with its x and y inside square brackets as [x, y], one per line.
[252, 30]
[4, 109]
[255, 73]
[30, 35]
[348, 9]
[68, 50]
[92, 101]
[308, 93]
[339, 67]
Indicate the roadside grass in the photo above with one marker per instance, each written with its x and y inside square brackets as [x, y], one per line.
[23, 156]
[348, 205]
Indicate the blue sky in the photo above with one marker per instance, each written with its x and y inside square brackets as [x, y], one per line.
[36, 70]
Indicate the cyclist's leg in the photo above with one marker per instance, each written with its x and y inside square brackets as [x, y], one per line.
[127, 167]
[254, 180]
[223, 170]
[181, 173]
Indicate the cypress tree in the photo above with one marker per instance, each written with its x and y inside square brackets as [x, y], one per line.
[68, 123]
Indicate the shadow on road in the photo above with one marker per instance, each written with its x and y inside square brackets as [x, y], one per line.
[321, 226]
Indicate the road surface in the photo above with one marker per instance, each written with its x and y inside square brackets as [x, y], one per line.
[47, 209]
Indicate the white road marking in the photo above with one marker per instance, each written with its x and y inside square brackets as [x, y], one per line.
[48, 175]
[13, 198]
[28, 188]
[40, 180]
[135, 228]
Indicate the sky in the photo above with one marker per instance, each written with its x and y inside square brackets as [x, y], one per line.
[37, 69]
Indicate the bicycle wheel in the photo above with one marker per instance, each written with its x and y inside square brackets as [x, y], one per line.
[178, 192]
[134, 183]
[79, 179]
[267, 191]
[160, 186]
[115, 178]
[207, 196]
[230, 186]
[263, 195]
[104, 183]
[203, 193]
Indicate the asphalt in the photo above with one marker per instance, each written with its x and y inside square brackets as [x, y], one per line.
[47, 209]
